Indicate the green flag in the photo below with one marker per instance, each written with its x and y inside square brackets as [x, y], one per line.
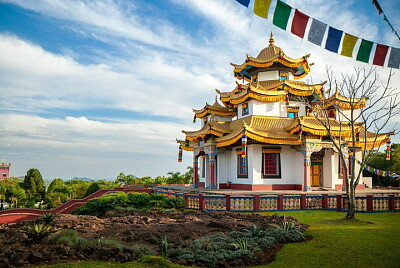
[365, 51]
[282, 14]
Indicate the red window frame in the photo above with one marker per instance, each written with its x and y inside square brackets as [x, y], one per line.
[271, 165]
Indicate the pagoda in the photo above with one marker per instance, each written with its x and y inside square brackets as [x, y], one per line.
[262, 135]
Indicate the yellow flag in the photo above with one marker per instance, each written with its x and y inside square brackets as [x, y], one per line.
[261, 8]
[349, 41]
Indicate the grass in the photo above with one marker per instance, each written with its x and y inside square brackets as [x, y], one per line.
[373, 240]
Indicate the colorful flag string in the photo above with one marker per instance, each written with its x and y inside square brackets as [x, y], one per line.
[380, 11]
[335, 37]
[180, 154]
[375, 171]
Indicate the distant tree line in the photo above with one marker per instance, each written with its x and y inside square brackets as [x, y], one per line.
[31, 191]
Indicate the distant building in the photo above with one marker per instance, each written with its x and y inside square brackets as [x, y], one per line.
[4, 169]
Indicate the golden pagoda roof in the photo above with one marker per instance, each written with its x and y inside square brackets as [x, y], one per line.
[213, 128]
[268, 91]
[280, 131]
[345, 102]
[271, 57]
[215, 108]
[316, 126]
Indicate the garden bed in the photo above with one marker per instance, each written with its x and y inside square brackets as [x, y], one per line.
[185, 237]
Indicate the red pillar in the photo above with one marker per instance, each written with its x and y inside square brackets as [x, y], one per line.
[370, 203]
[339, 202]
[303, 201]
[307, 172]
[228, 202]
[391, 202]
[212, 175]
[256, 204]
[325, 201]
[280, 202]
[196, 173]
[201, 202]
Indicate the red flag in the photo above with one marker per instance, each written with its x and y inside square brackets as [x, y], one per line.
[380, 54]
[299, 23]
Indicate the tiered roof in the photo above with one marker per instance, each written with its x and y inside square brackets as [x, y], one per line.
[345, 102]
[271, 58]
[216, 109]
[268, 91]
[277, 130]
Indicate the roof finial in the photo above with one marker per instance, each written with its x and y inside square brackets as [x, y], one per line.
[271, 39]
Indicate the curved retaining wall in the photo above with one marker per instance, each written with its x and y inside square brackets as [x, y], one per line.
[22, 214]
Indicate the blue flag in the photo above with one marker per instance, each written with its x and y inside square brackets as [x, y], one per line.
[333, 40]
[244, 2]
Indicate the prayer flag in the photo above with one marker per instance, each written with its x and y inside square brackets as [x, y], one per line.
[377, 6]
[261, 8]
[364, 51]
[299, 23]
[349, 41]
[244, 2]
[333, 40]
[281, 15]
[394, 58]
[317, 32]
[380, 54]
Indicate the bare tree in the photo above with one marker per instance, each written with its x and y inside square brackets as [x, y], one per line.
[369, 106]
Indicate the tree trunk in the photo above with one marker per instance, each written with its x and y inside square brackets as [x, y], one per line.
[351, 205]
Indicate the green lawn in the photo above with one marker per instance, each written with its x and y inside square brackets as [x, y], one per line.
[372, 241]
[339, 243]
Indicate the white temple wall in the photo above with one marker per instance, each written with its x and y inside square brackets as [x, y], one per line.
[292, 167]
[265, 108]
[347, 113]
[336, 170]
[270, 75]
[328, 173]
[222, 170]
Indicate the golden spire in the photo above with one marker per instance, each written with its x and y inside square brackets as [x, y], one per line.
[271, 39]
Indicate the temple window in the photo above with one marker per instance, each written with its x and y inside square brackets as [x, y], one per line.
[331, 114]
[293, 111]
[292, 115]
[205, 120]
[245, 109]
[242, 165]
[271, 163]
[203, 167]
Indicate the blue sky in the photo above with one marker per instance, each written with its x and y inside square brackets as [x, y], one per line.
[94, 88]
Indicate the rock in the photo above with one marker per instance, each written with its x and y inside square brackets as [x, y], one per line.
[35, 257]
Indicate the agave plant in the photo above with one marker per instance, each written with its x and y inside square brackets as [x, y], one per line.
[241, 243]
[37, 232]
[164, 246]
[285, 225]
[48, 218]
[254, 231]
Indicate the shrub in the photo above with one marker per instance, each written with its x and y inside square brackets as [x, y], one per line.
[284, 236]
[139, 251]
[285, 225]
[99, 206]
[37, 232]
[139, 200]
[70, 238]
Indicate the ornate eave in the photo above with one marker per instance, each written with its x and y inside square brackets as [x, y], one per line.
[216, 109]
[314, 126]
[214, 128]
[268, 91]
[344, 102]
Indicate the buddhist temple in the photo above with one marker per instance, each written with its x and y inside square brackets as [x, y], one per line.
[262, 135]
